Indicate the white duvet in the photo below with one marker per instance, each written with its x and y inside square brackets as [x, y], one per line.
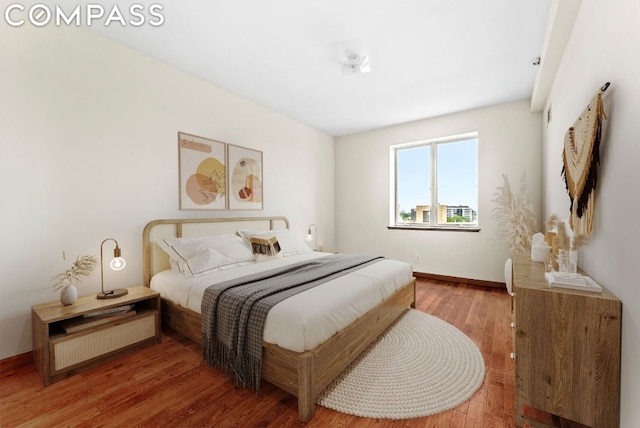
[307, 319]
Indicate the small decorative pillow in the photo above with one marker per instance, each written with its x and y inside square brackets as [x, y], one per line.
[265, 248]
[267, 245]
[290, 244]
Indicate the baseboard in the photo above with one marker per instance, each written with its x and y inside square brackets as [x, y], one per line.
[467, 281]
[15, 362]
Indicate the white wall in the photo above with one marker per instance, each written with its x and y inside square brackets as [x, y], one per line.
[604, 47]
[88, 150]
[509, 143]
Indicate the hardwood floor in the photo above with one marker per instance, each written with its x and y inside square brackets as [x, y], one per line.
[166, 385]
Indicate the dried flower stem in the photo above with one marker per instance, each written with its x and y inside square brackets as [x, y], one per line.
[515, 218]
[83, 267]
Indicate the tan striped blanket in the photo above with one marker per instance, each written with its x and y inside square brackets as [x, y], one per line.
[234, 312]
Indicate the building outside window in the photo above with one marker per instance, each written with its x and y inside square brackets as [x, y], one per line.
[435, 183]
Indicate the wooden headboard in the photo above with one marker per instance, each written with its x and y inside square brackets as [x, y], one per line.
[156, 260]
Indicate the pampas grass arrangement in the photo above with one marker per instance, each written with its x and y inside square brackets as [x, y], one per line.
[83, 267]
[515, 218]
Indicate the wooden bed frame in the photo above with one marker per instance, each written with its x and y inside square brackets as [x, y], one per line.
[303, 374]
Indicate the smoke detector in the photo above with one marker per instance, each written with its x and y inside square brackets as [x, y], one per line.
[356, 64]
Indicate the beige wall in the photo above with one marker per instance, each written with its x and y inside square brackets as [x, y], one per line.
[509, 142]
[88, 150]
[604, 47]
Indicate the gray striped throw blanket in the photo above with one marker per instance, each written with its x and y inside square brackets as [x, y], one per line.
[234, 312]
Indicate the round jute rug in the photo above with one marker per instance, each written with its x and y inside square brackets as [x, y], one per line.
[420, 366]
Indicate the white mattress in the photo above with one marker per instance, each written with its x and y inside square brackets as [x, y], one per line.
[307, 319]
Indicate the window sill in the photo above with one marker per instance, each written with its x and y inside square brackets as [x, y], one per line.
[438, 228]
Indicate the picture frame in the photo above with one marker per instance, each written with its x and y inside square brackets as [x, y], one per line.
[202, 173]
[244, 169]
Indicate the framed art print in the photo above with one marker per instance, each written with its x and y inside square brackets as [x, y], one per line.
[203, 182]
[245, 178]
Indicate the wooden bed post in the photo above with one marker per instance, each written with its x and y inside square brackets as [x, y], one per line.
[306, 397]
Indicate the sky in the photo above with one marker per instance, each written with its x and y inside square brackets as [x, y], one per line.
[457, 175]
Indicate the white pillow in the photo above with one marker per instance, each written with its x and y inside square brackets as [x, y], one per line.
[261, 258]
[289, 243]
[199, 255]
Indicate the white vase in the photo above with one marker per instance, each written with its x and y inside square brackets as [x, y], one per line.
[68, 295]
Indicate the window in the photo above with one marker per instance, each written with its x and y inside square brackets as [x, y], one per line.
[435, 183]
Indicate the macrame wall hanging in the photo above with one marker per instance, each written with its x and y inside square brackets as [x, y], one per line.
[580, 159]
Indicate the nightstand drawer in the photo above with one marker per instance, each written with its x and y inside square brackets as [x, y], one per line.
[74, 349]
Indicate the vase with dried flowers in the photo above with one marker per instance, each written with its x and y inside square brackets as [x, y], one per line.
[83, 267]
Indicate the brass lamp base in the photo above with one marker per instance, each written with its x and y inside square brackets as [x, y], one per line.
[111, 294]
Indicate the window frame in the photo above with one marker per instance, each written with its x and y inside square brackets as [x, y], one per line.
[394, 217]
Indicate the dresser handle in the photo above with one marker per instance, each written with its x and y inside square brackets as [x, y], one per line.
[512, 355]
[513, 324]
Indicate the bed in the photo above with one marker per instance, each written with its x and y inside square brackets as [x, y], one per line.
[303, 372]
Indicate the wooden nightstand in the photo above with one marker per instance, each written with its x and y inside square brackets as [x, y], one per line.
[65, 341]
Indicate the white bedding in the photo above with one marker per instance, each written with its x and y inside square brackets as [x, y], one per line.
[307, 319]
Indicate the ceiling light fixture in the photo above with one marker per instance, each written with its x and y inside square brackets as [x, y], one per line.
[356, 64]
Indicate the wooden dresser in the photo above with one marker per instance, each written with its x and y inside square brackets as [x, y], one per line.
[567, 350]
